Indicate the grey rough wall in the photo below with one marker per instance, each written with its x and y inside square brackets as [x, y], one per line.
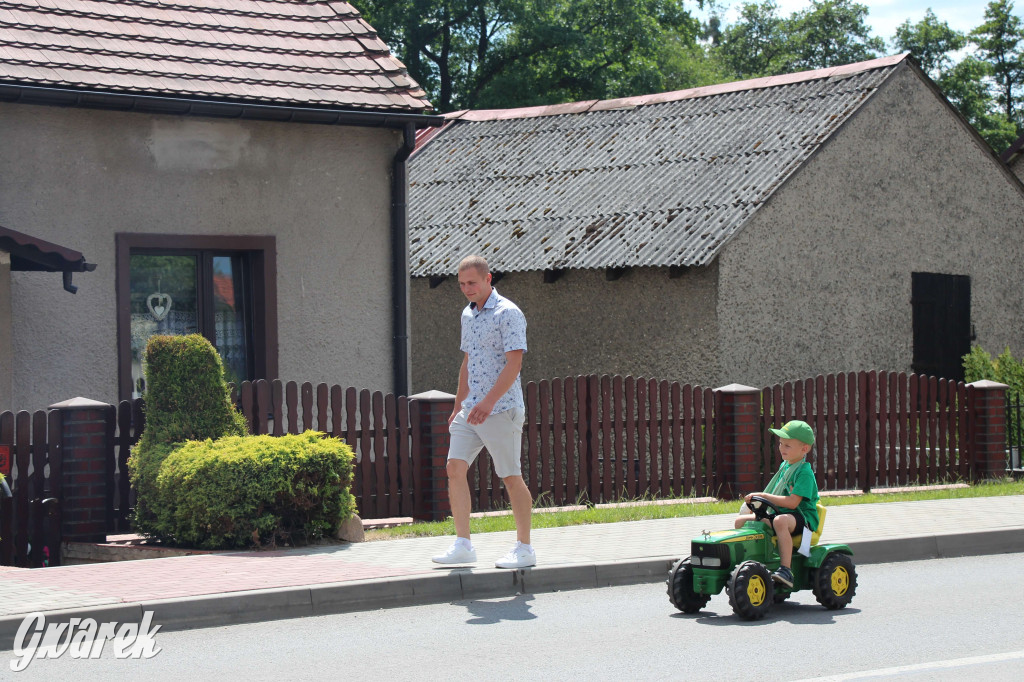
[820, 279]
[76, 177]
[1017, 166]
[644, 324]
[5, 332]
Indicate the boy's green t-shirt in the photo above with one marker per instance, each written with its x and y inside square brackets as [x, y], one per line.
[800, 481]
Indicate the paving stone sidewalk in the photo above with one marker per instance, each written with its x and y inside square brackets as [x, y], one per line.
[223, 588]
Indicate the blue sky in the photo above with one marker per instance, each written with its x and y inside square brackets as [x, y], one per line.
[885, 15]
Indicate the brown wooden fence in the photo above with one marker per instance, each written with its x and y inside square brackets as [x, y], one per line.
[124, 428]
[875, 429]
[374, 424]
[591, 438]
[30, 522]
[601, 438]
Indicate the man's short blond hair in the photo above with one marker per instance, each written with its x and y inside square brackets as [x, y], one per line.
[477, 262]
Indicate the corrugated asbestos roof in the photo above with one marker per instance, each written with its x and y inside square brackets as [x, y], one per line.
[290, 52]
[650, 181]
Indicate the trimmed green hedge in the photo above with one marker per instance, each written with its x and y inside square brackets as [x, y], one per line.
[241, 491]
[186, 399]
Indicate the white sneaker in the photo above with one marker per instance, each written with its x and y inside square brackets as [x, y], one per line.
[458, 553]
[520, 556]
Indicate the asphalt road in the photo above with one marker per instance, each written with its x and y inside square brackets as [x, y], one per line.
[945, 619]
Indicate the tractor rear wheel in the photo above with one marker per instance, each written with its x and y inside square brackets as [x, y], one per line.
[835, 581]
[680, 588]
[751, 591]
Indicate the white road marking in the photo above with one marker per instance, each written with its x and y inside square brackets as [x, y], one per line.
[921, 667]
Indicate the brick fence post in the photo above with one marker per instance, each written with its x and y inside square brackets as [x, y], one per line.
[84, 462]
[435, 408]
[738, 426]
[986, 405]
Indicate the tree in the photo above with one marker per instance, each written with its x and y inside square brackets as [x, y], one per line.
[501, 53]
[965, 83]
[930, 42]
[829, 33]
[832, 33]
[999, 43]
[683, 65]
[965, 86]
[758, 44]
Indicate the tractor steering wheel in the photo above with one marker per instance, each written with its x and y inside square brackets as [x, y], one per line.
[762, 508]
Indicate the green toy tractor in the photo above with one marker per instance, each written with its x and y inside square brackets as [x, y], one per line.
[742, 562]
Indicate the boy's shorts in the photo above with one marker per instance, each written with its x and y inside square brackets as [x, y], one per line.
[501, 434]
[798, 529]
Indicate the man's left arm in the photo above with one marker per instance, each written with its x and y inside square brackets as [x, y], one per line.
[507, 377]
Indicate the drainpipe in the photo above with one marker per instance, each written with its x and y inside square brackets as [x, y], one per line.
[400, 258]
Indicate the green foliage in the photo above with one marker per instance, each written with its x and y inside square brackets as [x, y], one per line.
[828, 33]
[685, 65]
[511, 53]
[186, 399]
[999, 44]
[254, 490]
[758, 44]
[832, 33]
[1005, 369]
[931, 42]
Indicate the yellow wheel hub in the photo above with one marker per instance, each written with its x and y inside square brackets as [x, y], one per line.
[756, 590]
[840, 581]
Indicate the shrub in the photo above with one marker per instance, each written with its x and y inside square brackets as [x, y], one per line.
[186, 399]
[245, 490]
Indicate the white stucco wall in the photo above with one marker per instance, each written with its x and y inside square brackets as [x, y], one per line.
[645, 324]
[76, 177]
[820, 280]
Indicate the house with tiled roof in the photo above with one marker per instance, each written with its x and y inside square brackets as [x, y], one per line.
[759, 231]
[231, 168]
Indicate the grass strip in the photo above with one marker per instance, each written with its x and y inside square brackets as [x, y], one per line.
[648, 509]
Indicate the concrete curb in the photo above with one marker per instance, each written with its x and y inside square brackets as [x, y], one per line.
[231, 608]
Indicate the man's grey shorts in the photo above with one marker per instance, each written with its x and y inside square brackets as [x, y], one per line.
[501, 434]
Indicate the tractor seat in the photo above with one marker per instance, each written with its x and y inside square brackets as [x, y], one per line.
[816, 535]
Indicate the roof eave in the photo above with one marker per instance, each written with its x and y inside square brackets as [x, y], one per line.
[182, 106]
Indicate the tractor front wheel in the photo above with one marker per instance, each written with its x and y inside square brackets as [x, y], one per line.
[835, 581]
[751, 591]
[680, 588]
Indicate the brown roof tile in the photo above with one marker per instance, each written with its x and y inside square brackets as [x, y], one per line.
[291, 52]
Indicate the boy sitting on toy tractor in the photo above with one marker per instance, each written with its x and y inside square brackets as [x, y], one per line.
[741, 561]
[794, 492]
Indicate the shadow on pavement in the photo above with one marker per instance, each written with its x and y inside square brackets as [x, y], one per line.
[493, 611]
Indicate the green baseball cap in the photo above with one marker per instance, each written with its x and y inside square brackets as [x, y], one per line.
[796, 430]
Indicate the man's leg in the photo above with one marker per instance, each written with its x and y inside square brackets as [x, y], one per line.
[458, 495]
[522, 506]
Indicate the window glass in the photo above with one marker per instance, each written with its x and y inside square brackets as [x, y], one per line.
[229, 316]
[164, 300]
[200, 292]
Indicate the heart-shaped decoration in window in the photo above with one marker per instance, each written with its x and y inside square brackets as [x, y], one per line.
[159, 305]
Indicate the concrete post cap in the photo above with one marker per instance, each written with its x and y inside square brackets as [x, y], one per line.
[433, 395]
[78, 403]
[737, 388]
[986, 384]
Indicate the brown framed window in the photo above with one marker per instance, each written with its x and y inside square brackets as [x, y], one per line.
[221, 287]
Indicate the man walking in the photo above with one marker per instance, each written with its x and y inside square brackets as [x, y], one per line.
[489, 411]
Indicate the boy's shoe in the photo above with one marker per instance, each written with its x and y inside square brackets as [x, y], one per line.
[520, 556]
[458, 553]
[783, 576]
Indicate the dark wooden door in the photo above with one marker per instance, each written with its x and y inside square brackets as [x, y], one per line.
[942, 323]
